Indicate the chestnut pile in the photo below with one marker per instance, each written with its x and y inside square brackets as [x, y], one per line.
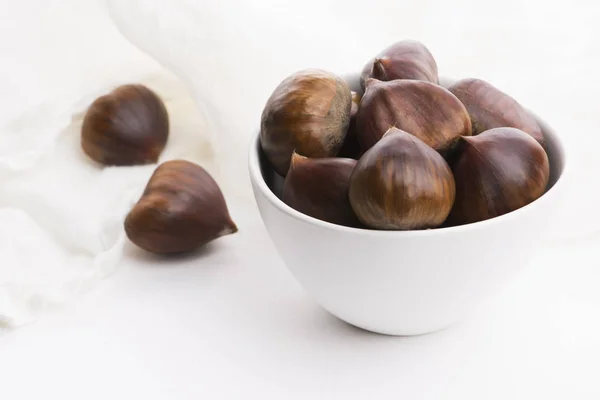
[404, 152]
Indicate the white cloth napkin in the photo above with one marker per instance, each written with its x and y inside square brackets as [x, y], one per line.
[61, 215]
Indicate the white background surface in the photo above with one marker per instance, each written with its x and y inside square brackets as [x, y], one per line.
[230, 322]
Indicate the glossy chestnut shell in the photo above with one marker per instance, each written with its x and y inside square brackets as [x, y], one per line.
[318, 187]
[491, 108]
[182, 208]
[405, 59]
[309, 112]
[423, 109]
[496, 172]
[401, 183]
[128, 126]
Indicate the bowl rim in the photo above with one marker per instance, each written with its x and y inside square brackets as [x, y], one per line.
[554, 191]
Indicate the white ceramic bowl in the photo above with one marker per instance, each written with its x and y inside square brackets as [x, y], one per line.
[404, 282]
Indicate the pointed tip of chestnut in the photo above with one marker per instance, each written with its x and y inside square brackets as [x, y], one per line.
[380, 66]
[230, 229]
[390, 130]
[296, 159]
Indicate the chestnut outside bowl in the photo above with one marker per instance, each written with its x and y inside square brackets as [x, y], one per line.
[405, 282]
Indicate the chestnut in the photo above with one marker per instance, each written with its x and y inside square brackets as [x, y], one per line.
[423, 109]
[308, 112]
[318, 187]
[128, 126]
[496, 172]
[490, 108]
[401, 183]
[182, 208]
[405, 59]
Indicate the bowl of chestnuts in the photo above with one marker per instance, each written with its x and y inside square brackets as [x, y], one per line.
[399, 200]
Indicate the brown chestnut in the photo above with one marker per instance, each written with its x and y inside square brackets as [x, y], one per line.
[401, 183]
[406, 59]
[318, 187]
[128, 126]
[496, 172]
[182, 208]
[308, 112]
[490, 108]
[424, 109]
